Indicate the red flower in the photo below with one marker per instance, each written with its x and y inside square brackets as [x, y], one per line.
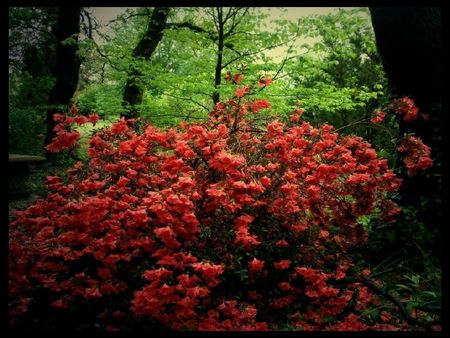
[256, 265]
[416, 155]
[406, 108]
[74, 109]
[119, 127]
[166, 216]
[283, 264]
[240, 92]
[63, 140]
[92, 293]
[264, 82]
[257, 105]
[282, 243]
[379, 117]
[238, 78]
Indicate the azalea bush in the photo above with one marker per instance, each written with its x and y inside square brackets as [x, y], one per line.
[216, 226]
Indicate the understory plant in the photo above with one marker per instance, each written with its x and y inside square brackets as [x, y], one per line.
[224, 225]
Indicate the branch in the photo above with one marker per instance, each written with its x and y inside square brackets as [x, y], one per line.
[106, 57]
[286, 58]
[229, 14]
[190, 26]
[124, 19]
[85, 14]
[251, 53]
[235, 22]
[198, 29]
[215, 19]
[187, 99]
[410, 320]
[363, 119]
[180, 116]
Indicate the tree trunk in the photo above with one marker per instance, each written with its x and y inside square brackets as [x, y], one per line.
[409, 42]
[133, 92]
[220, 45]
[67, 66]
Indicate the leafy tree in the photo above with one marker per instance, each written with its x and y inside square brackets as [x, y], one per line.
[342, 78]
[187, 68]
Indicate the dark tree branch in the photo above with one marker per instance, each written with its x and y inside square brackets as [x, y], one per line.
[236, 22]
[215, 19]
[187, 99]
[190, 26]
[251, 53]
[229, 14]
[85, 14]
[148, 13]
[198, 29]
[401, 306]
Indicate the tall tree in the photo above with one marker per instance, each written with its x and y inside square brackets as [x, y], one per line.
[66, 71]
[409, 41]
[133, 92]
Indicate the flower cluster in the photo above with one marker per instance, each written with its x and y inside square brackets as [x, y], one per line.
[407, 109]
[236, 77]
[416, 154]
[378, 117]
[65, 138]
[206, 227]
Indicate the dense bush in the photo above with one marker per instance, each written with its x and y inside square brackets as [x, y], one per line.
[215, 226]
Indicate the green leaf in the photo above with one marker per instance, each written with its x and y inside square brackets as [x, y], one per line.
[404, 287]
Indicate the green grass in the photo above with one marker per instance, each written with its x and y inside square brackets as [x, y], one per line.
[87, 131]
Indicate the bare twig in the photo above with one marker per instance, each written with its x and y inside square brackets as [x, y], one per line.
[235, 22]
[187, 99]
[148, 13]
[361, 120]
[251, 53]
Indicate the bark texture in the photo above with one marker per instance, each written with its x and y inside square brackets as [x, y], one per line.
[134, 92]
[409, 41]
[67, 68]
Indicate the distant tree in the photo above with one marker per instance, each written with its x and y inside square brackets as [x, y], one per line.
[342, 79]
[187, 68]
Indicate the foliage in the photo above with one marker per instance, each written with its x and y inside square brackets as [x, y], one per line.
[214, 226]
[180, 75]
[260, 215]
[342, 78]
[31, 50]
[328, 64]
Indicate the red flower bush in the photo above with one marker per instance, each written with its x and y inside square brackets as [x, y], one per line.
[206, 227]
